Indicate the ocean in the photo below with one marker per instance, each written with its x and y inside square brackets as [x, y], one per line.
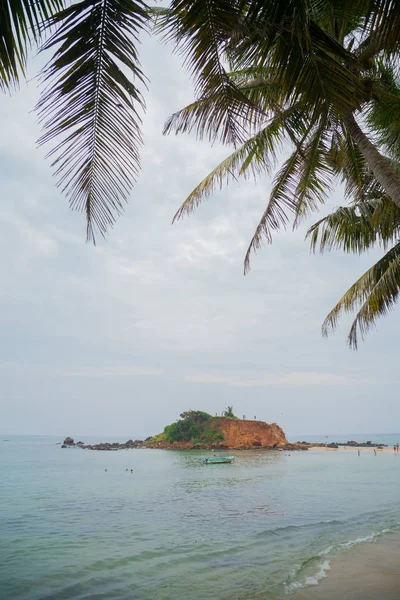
[267, 527]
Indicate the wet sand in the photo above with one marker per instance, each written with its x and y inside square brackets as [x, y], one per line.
[370, 571]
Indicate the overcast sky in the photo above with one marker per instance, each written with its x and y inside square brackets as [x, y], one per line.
[118, 339]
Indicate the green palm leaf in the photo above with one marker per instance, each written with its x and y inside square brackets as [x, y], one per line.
[302, 183]
[201, 29]
[315, 174]
[21, 22]
[357, 228]
[281, 201]
[374, 295]
[255, 157]
[90, 108]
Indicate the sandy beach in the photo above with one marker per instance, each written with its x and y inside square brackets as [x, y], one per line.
[370, 571]
[355, 449]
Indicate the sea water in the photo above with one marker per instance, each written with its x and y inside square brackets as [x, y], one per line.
[260, 528]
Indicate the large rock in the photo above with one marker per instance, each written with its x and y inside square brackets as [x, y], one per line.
[237, 433]
[248, 433]
[69, 441]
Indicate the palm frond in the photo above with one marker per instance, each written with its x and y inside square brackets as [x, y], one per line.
[281, 201]
[90, 108]
[201, 29]
[315, 174]
[309, 62]
[383, 112]
[255, 157]
[373, 295]
[207, 115]
[299, 187]
[382, 21]
[357, 228]
[21, 23]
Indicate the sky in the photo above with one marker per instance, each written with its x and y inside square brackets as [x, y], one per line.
[119, 339]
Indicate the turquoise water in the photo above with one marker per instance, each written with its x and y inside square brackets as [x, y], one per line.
[257, 529]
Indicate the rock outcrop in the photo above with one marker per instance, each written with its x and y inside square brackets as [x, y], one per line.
[243, 433]
[232, 434]
[237, 434]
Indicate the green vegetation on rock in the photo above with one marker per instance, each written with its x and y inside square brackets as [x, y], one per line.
[194, 425]
[228, 413]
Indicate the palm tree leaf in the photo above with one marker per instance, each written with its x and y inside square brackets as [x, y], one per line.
[201, 29]
[207, 115]
[89, 107]
[299, 187]
[255, 157]
[358, 227]
[374, 295]
[314, 175]
[281, 201]
[21, 23]
[382, 21]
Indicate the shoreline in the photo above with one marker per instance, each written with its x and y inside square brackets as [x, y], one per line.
[283, 446]
[370, 449]
[369, 571]
[290, 447]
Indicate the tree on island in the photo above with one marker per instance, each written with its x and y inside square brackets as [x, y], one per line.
[228, 413]
[320, 77]
[194, 425]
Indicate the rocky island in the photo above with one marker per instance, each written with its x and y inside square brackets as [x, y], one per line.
[200, 430]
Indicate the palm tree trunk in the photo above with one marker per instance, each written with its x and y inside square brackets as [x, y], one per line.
[378, 164]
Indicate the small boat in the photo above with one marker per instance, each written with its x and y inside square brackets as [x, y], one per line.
[218, 460]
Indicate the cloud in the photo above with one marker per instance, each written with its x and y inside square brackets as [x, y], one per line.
[299, 379]
[148, 317]
[127, 371]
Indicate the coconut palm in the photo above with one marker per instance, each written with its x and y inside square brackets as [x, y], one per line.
[370, 221]
[312, 55]
[305, 76]
[228, 412]
[322, 80]
[318, 76]
[91, 100]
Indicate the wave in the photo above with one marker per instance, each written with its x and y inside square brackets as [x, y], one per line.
[311, 579]
[289, 528]
[359, 540]
[362, 520]
[301, 580]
